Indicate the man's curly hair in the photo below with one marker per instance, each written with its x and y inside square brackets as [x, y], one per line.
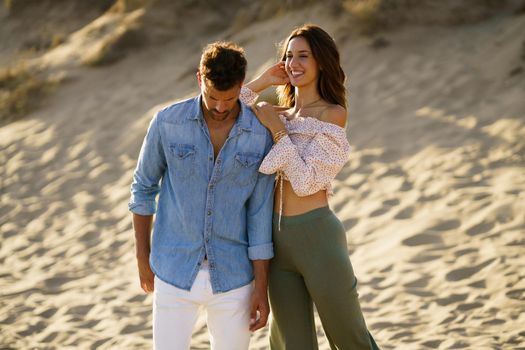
[223, 64]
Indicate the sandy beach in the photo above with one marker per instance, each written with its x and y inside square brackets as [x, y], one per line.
[432, 198]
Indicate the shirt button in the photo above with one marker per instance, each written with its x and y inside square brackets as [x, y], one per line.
[209, 212]
[207, 240]
[211, 186]
[218, 161]
[211, 159]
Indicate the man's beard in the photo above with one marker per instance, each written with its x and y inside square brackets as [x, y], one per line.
[218, 117]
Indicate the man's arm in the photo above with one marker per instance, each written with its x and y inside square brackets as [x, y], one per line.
[260, 245]
[260, 248]
[144, 189]
[142, 227]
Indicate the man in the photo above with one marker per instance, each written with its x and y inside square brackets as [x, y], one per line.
[212, 231]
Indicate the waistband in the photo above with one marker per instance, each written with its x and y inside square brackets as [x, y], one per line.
[308, 216]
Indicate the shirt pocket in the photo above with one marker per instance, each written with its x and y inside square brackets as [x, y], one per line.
[182, 160]
[246, 168]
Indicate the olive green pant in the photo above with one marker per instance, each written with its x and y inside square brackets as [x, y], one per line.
[311, 265]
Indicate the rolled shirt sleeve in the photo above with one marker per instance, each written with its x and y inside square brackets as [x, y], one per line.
[259, 217]
[148, 173]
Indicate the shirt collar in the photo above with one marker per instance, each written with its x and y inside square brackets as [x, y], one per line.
[243, 122]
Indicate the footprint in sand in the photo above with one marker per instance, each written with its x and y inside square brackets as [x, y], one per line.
[99, 343]
[349, 223]
[406, 186]
[402, 334]
[50, 337]
[367, 298]
[392, 170]
[420, 293]
[481, 284]
[429, 198]
[90, 238]
[387, 269]
[32, 329]
[422, 258]
[452, 299]
[139, 298]
[466, 272]
[418, 283]
[518, 294]
[380, 211]
[48, 313]
[405, 213]
[365, 194]
[130, 328]
[422, 239]
[391, 202]
[462, 252]
[432, 344]
[494, 322]
[446, 225]
[89, 324]
[386, 206]
[481, 196]
[459, 345]
[80, 310]
[480, 228]
[469, 306]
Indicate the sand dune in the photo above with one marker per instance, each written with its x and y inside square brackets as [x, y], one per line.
[433, 197]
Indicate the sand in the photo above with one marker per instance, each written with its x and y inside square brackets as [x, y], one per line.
[433, 197]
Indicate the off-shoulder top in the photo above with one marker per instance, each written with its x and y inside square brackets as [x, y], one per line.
[310, 156]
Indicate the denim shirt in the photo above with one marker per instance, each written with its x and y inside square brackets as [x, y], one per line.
[220, 209]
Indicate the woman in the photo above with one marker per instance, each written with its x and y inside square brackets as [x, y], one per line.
[311, 263]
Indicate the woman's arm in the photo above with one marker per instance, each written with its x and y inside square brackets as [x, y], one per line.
[275, 75]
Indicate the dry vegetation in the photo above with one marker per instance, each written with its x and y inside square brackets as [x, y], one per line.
[43, 25]
[371, 16]
[21, 90]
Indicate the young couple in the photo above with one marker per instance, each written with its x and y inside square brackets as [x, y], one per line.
[213, 160]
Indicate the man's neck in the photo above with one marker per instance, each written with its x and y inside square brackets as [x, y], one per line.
[223, 123]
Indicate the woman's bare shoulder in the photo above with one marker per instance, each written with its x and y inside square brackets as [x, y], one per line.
[334, 114]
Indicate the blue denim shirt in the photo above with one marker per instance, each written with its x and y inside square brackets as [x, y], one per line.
[221, 209]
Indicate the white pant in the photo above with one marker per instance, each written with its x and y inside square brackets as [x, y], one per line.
[175, 312]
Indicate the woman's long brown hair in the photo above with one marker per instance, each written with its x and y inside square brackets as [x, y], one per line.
[331, 76]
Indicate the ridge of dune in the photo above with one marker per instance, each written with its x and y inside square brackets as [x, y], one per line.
[433, 197]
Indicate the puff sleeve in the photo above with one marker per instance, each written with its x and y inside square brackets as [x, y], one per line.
[247, 96]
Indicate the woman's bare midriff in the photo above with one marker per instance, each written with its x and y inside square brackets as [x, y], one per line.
[295, 205]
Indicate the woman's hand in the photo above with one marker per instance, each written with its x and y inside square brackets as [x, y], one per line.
[268, 117]
[275, 75]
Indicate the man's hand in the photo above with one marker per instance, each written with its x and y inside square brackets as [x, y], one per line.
[259, 309]
[146, 275]
[142, 227]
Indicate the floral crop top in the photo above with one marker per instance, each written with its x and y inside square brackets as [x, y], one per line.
[310, 156]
